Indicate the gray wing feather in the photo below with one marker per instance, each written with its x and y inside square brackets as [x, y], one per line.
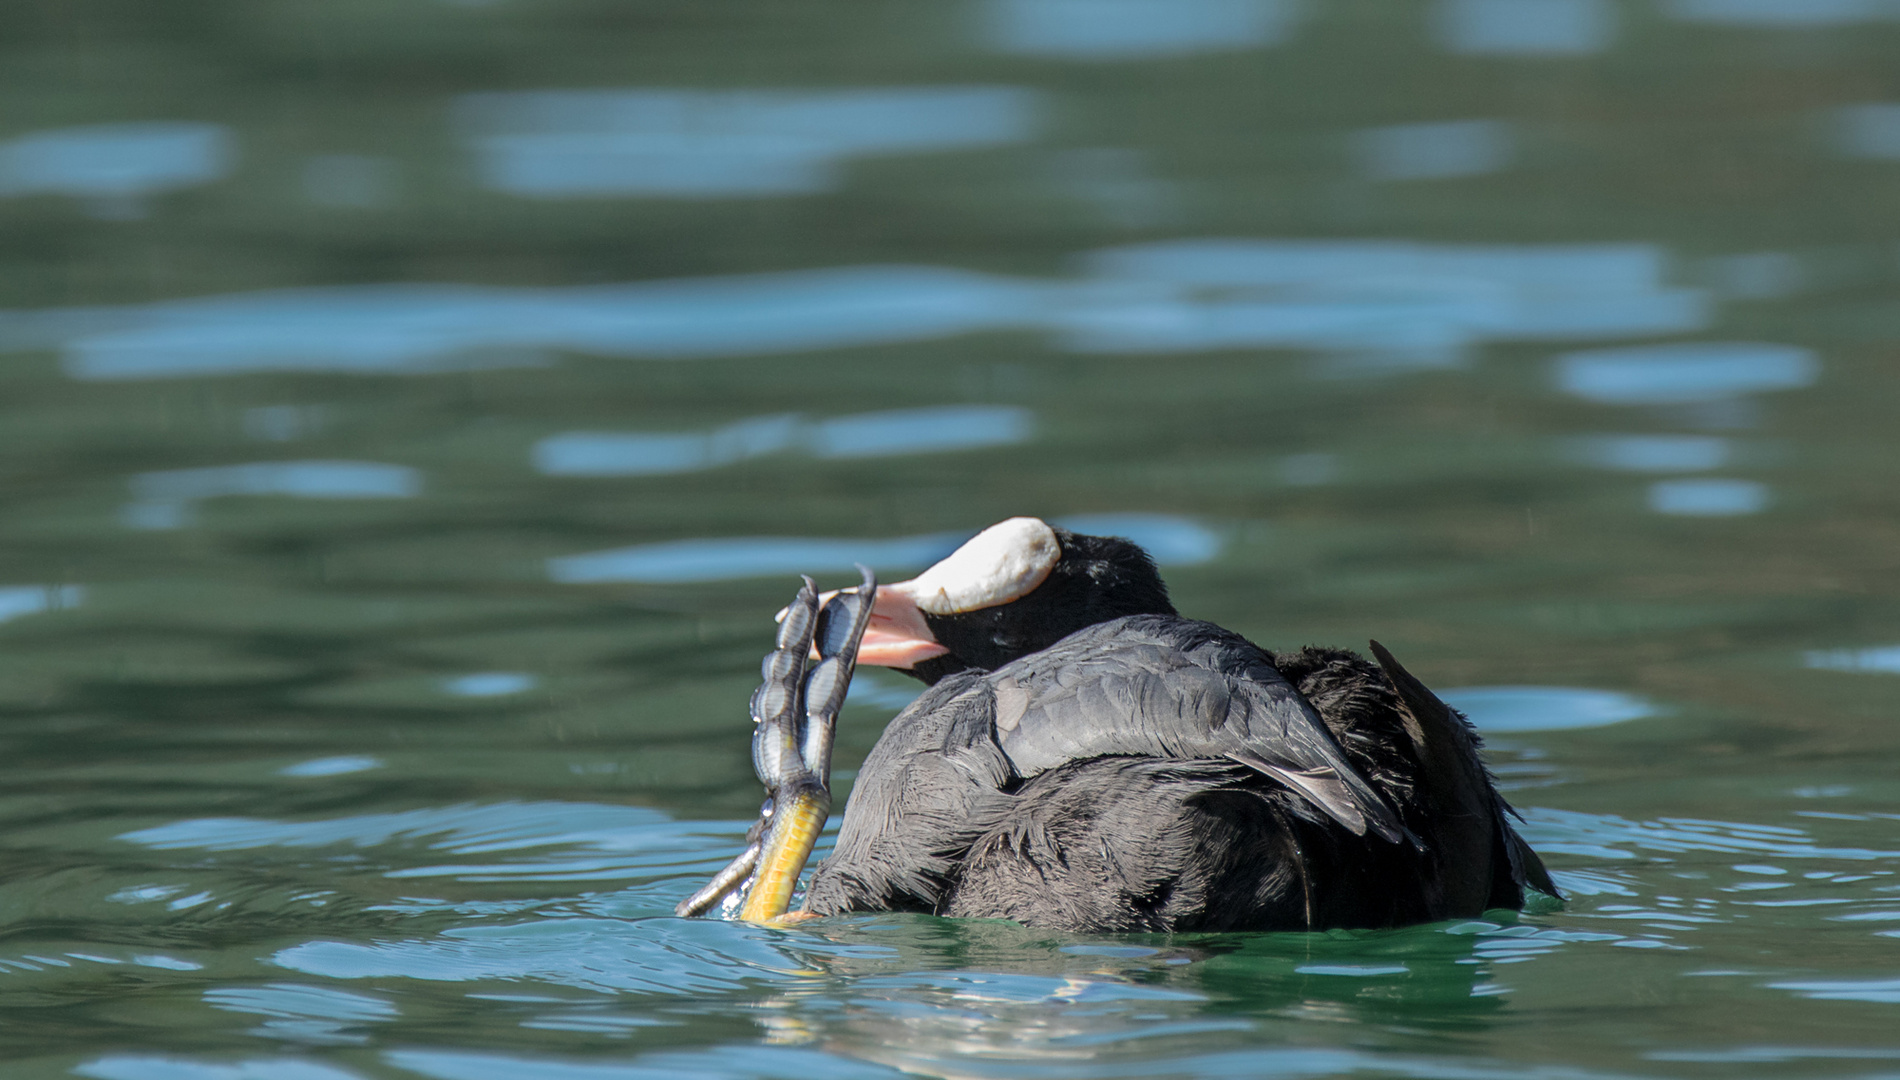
[1178, 689]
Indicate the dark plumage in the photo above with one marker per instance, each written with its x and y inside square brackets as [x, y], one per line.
[1105, 784]
[1086, 759]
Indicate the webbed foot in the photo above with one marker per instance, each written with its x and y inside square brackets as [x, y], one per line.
[796, 713]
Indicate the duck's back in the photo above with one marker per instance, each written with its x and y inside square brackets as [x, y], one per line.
[1158, 773]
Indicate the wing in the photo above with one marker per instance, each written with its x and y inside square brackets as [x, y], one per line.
[1158, 686]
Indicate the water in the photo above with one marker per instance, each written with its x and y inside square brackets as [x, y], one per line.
[415, 412]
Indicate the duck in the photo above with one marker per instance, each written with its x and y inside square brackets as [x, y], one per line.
[1085, 759]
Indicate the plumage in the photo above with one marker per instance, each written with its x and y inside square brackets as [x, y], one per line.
[1086, 759]
[1115, 782]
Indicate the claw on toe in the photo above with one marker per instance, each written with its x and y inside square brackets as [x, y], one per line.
[806, 676]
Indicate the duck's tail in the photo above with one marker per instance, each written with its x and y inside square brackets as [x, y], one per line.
[1482, 861]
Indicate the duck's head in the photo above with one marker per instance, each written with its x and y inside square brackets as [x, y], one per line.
[1015, 588]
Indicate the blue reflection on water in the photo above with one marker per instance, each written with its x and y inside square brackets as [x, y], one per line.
[1134, 29]
[916, 431]
[722, 143]
[875, 434]
[332, 766]
[308, 1014]
[1425, 302]
[671, 957]
[1607, 836]
[1870, 131]
[605, 453]
[1685, 373]
[462, 828]
[1526, 27]
[1758, 275]
[350, 181]
[1881, 991]
[20, 600]
[164, 499]
[1782, 13]
[1653, 453]
[1310, 469]
[1883, 658]
[1416, 303]
[115, 161]
[714, 1063]
[1436, 151]
[414, 329]
[1711, 497]
[1545, 708]
[490, 684]
[158, 1067]
[1172, 541]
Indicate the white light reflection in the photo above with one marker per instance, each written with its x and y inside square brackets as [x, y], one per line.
[552, 144]
[1135, 29]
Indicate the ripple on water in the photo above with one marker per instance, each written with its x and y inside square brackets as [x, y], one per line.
[613, 842]
[719, 1061]
[1881, 991]
[1607, 836]
[156, 1067]
[308, 1014]
[670, 957]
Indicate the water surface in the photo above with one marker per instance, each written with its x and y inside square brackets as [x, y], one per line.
[415, 412]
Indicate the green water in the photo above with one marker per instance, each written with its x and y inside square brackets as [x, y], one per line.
[331, 746]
